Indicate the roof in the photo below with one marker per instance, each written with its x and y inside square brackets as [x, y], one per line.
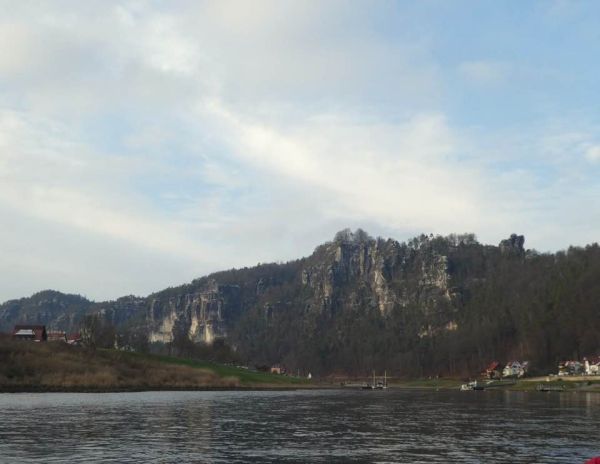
[38, 332]
[29, 327]
[517, 363]
[25, 332]
[493, 366]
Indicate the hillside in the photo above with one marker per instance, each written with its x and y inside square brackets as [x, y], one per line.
[432, 305]
[58, 367]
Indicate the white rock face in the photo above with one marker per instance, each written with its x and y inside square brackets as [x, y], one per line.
[368, 263]
[193, 327]
[199, 315]
[164, 334]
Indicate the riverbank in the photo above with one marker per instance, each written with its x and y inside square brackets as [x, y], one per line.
[559, 384]
[532, 384]
[57, 367]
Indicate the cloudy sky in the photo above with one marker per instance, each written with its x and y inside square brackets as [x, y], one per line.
[143, 144]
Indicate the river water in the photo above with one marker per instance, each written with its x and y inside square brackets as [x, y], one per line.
[300, 426]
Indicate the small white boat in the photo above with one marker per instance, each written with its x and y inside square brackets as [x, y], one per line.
[470, 386]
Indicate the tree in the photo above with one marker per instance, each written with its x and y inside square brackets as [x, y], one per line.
[97, 332]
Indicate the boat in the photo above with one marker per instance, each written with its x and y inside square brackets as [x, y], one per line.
[471, 386]
[376, 385]
[475, 385]
[382, 385]
[369, 386]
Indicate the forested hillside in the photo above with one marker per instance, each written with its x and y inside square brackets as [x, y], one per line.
[432, 305]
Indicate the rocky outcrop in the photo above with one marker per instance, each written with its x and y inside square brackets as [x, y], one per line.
[200, 316]
[346, 262]
[356, 270]
[513, 245]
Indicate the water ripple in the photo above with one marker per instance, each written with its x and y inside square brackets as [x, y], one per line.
[303, 426]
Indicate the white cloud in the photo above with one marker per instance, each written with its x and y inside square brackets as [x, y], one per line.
[403, 175]
[160, 142]
[53, 181]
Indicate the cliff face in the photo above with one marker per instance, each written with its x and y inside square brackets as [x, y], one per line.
[390, 275]
[432, 304]
[201, 316]
[353, 272]
[356, 303]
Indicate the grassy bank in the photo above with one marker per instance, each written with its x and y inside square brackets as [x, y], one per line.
[29, 366]
[245, 377]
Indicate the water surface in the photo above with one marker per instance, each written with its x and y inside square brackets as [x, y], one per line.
[300, 426]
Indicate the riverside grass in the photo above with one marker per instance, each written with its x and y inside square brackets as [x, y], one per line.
[246, 377]
[30, 366]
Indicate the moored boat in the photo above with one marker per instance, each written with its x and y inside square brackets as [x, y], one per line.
[377, 385]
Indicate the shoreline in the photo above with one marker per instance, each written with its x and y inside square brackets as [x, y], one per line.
[47, 389]
[524, 387]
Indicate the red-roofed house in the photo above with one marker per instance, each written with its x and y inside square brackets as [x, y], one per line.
[74, 339]
[493, 371]
[37, 333]
[515, 369]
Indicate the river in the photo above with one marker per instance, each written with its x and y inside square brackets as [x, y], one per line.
[300, 426]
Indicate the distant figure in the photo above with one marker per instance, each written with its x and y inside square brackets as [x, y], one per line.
[595, 460]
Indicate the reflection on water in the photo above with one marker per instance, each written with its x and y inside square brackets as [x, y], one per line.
[303, 426]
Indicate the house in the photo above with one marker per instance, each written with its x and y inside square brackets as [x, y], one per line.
[277, 369]
[57, 336]
[592, 365]
[74, 339]
[493, 371]
[570, 368]
[515, 369]
[36, 333]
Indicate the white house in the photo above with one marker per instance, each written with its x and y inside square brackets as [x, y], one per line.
[571, 367]
[515, 369]
[592, 365]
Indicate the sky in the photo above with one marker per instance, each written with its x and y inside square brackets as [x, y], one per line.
[146, 143]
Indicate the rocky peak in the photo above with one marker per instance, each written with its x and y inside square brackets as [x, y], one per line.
[348, 237]
[513, 245]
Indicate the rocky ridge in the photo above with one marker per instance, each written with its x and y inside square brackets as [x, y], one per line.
[358, 303]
